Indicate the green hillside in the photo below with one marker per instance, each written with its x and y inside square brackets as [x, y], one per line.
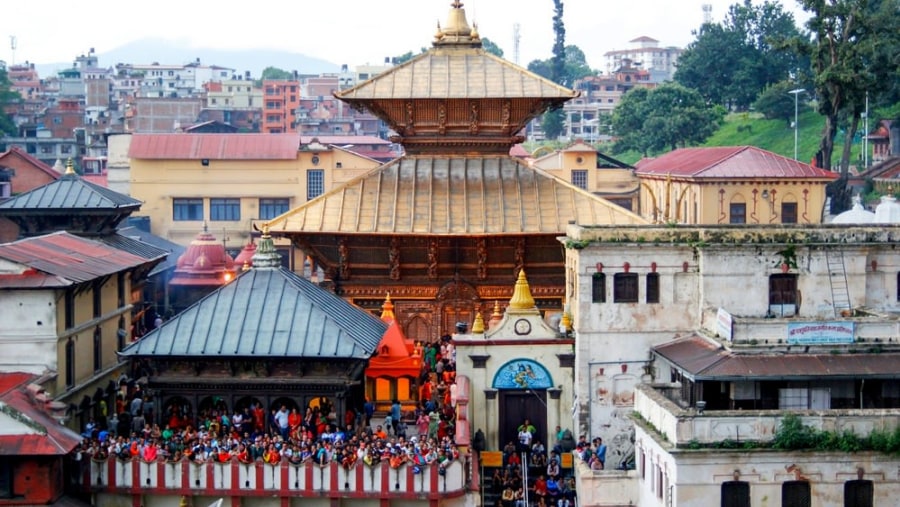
[777, 136]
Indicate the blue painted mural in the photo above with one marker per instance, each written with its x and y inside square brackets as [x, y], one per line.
[522, 374]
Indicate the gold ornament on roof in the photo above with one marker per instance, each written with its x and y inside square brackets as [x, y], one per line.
[70, 166]
[387, 309]
[456, 30]
[522, 299]
[478, 325]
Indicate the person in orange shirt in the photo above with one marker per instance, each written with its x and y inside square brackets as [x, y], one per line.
[294, 420]
[379, 432]
[271, 456]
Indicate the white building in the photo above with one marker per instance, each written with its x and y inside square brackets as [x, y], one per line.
[710, 335]
[645, 53]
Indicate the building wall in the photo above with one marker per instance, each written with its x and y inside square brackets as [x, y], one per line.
[694, 478]
[701, 270]
[28, 341]
[158, 182]
[118, 165]
[36, 480]
[687, 202]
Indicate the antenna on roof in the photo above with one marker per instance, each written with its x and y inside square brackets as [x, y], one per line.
[13, 42]
[707, 14]
[516, 37]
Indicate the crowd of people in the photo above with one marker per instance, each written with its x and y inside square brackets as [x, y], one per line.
[250, 434]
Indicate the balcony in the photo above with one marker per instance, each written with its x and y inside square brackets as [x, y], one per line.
[689, 426]
[284, 479]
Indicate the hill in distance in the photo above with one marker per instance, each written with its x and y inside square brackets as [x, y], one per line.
[168, 52]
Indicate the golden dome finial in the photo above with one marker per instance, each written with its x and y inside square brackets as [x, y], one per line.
[478, 325]
[439, 34]
[474, 33]
[70, 166]
[456, 30]
[566, 320]
[522, 299]
[387, 310]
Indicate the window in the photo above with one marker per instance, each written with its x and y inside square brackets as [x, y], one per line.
[783, 294]
[225, 209]
[271, 208]
[98, 347]
[70, 309]
[315, 183]
[625, 288]
[97, 293]
[859, 493]
[579, 178]
[70, 363]
[6, 478]
[789, 213]
[187, 209]
[598, 288]
[795, 494]
[653, 287]
[735, 494]
[120, 289]
[737, 213]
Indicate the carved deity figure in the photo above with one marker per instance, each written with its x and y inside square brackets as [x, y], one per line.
[394, 259]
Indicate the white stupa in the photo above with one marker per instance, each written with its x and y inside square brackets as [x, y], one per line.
[888, 211]
[855, 215]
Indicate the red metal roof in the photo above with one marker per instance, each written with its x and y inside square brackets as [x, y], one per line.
[702, 360]
[214, 146]
[12, 380]
[729, 162]
[38, 434]
[18, 152]
[69, 257]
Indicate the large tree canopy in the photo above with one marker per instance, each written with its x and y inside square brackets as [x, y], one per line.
[730, 63]
[854, 53]
[666, 117]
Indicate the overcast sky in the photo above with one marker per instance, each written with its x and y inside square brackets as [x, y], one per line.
[342, 31]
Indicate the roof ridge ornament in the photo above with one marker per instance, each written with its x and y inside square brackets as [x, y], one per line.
[456, 31]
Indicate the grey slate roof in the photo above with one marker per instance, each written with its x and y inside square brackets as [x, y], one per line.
[172, 250]
[266, 313]
[69, 192]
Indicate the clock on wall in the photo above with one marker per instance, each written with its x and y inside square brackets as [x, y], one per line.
[315, 160]
[522, 326]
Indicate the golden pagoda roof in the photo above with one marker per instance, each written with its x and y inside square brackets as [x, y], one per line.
[457, 73]
[452, 195]
[457, 66]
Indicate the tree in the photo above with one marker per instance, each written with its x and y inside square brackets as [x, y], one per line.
[405, 57]
[576, 66]
[491, 47]
[853, 53]
[666, 117]
[730, 63]
[776, 102]
[8, 97]
[276, 73]
[552, 122]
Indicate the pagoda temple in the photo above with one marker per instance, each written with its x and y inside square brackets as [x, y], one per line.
[447, 227]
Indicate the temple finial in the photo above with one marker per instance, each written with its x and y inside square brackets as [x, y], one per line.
[522, 299]
[70, 166]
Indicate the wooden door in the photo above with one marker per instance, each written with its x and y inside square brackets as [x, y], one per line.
[516, 405]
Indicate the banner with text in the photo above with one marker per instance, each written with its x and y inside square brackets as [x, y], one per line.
[820, 333]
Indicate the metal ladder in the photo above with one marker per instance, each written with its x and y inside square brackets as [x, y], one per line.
[837, 275]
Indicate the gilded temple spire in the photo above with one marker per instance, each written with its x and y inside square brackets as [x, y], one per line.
[456, 31]
[521, 299]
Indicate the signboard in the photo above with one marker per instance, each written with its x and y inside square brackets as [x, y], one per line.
[820, 333]
[724, 324]
[491, 459]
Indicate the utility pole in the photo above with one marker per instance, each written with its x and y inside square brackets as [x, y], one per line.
[866, 134]
[12, 44]
[516, 38]
[796, 93]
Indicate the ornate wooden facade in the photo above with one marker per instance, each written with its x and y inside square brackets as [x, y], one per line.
[446, 228]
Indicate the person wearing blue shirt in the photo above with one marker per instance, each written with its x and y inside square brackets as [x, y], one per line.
[601, 451]
[395, 415]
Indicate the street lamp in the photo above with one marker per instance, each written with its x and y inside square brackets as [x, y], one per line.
[796, 93]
